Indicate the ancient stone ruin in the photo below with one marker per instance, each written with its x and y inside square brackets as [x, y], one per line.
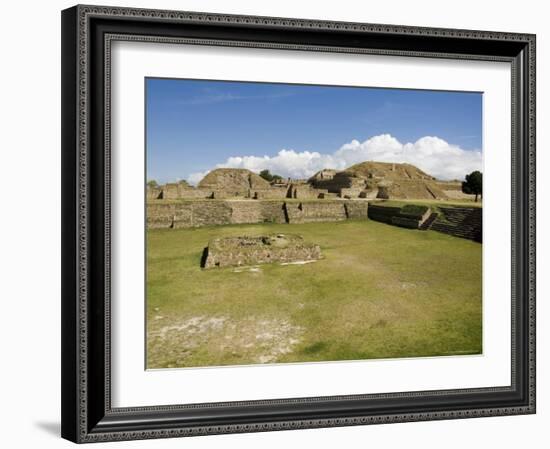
[247, 251]
[382, 180]
[464, 222]
[228, 196]
[367, 180]
[233, 182]
[197, 213]
[410, 216]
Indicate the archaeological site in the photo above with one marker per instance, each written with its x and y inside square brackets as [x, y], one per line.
[274, 233]
[367, 180]
[368, 190]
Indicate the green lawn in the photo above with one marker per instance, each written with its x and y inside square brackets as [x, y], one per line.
[379, 292]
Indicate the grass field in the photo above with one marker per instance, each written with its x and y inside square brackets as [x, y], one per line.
[379, 292]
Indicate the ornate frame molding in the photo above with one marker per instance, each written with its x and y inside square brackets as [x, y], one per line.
[85, 419]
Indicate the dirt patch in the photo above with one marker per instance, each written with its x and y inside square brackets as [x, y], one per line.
[229, 341]
[299, 262]
[247, 269]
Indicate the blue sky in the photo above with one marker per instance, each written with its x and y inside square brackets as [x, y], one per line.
[193, 126]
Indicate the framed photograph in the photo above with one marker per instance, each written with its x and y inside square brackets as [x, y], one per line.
[276, 223]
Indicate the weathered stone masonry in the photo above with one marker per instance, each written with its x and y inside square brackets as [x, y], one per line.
[238, 196]
[246, 250]
[195, 213]
[368, 180]
[464, 222]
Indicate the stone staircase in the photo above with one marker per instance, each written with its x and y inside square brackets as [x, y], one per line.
[402, 216]
[464, 222]
[382, 213]
[428, 222]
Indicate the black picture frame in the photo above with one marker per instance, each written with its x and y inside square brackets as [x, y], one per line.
[87, 414]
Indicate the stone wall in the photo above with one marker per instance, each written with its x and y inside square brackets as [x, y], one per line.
[410, 189]
[243, 212]
[160, 214]
[186, 214]
[410, 216]
[273, 211]
[464, 222]
[170, 191]
[179, 190]
[383, 213]
[205, 213]
[224, 194]
[351, 192]
[308, 212]
[356, 210]
[278, 192]
[369, 193]
[405, 222]
[153, 193]
[330, 195]
[305, 191]
[195, 193]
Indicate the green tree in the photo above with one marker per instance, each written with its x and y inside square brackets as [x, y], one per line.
[266, 175]
[473, 184]
[152, 183]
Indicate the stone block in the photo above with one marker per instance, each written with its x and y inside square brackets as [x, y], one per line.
[246, 251]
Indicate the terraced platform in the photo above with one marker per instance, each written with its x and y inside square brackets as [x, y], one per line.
[464, 222]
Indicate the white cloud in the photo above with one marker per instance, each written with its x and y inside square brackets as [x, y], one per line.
[194, 178]
[431, 154]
